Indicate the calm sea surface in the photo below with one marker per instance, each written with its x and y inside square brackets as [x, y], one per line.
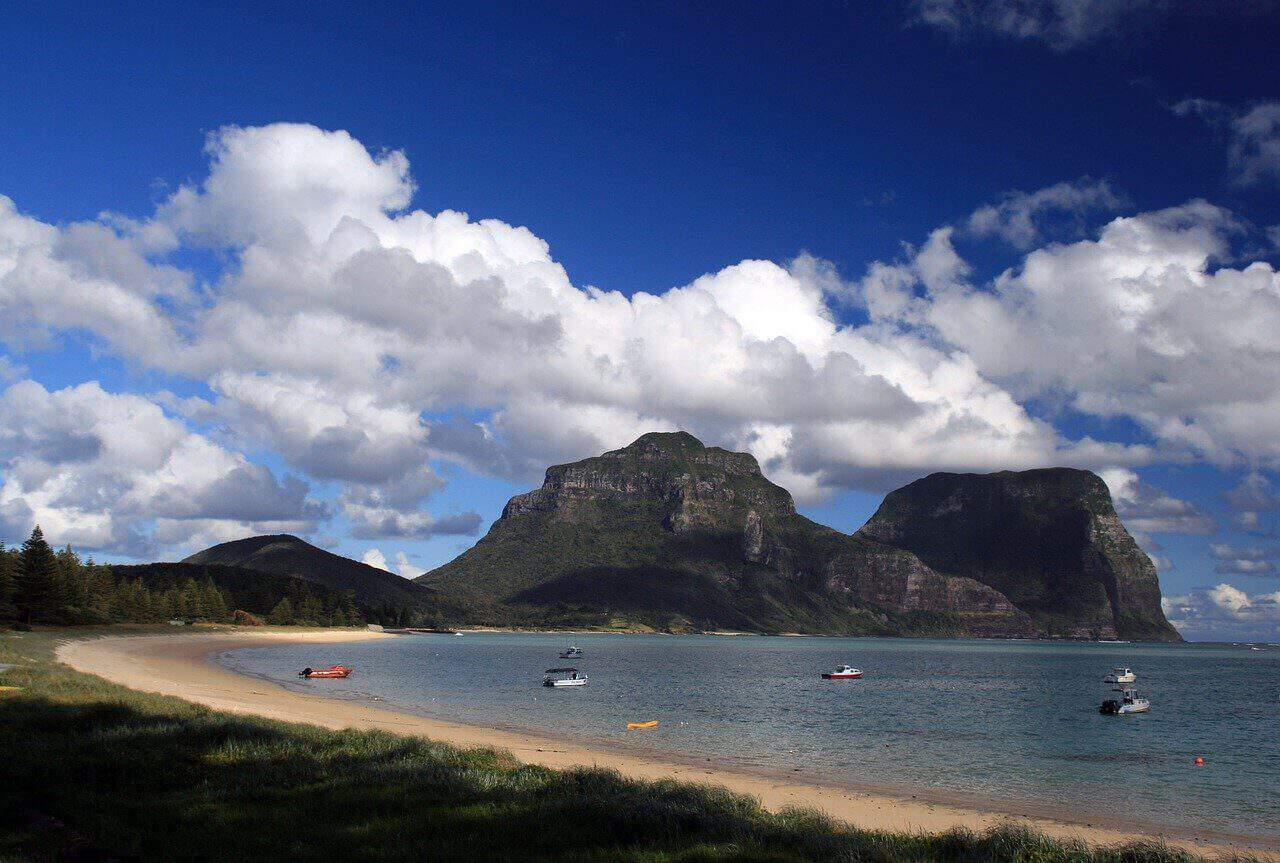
[1010, 722]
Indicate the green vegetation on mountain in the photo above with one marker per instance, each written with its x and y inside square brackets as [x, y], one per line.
[671, 535]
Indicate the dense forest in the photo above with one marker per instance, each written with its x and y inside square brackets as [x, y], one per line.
[41, 586]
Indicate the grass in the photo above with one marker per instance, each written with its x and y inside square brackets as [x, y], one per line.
[89, 768]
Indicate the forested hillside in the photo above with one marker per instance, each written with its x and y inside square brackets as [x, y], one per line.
[41, 586]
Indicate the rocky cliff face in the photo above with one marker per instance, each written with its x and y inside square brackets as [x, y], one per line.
[702, 485]
[1048, 540]
[881, 576]
[664, 532]
[676, 535]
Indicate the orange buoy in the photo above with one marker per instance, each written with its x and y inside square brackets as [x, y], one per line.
[636, 726]
[1199, 761]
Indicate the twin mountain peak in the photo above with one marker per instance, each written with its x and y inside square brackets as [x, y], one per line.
[676, 536]
[670, 535]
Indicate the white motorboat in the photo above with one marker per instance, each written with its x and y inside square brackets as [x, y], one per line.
[1120, 676]
[1125, 704]
[844, 672]
[572, 653]
[563, 677]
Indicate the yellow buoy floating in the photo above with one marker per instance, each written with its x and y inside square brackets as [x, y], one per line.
[636, 726]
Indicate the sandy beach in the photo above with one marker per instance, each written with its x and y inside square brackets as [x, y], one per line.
[178, 665]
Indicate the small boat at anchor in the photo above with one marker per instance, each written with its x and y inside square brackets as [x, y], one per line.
[563, 677]
[1127, 703]
[1121, 680]
[332, 672]
[844, 672]
[572, 653]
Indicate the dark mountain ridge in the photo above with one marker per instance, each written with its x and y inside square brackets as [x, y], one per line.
[286, 555]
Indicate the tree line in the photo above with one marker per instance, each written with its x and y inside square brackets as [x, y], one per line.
[40, 585]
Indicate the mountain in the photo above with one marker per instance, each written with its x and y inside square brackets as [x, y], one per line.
[248, 589]
[1049, 540]
[290, 556]
[674, 535]
[666, 533]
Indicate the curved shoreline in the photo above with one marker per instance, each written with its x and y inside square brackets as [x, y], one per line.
[179, 665]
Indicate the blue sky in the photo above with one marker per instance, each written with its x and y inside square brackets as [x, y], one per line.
[877, 168]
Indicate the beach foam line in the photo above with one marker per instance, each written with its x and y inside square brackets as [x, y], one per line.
[179, 665]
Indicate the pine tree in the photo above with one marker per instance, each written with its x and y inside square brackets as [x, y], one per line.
[39, 581]
[70, 572]
[192, 600]
[87, 589]
[215, 604]
[168, 603]
[7, 608]
[282, 614]
[148, 608]
[127, 605]
[104, 589]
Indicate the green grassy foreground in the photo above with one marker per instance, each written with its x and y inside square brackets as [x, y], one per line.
[93, 769]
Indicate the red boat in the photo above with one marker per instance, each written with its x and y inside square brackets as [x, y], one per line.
[844, 672]
[330, 672]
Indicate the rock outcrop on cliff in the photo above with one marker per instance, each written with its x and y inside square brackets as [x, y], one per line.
[674, 535]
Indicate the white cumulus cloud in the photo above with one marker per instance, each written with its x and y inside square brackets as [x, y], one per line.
[111, 471]
[1225, 612]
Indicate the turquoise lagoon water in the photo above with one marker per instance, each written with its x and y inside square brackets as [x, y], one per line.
[1010, 722]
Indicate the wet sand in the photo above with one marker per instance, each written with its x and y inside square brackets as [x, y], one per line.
[179, 665]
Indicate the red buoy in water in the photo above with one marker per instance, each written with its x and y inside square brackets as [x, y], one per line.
[1199, 761]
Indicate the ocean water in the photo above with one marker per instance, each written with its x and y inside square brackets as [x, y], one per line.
[1013, 723]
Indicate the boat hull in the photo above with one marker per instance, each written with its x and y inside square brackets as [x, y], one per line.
[831, 675]
[335, 673]
[582, 681]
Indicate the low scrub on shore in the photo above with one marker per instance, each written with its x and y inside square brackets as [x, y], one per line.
[97, 770]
